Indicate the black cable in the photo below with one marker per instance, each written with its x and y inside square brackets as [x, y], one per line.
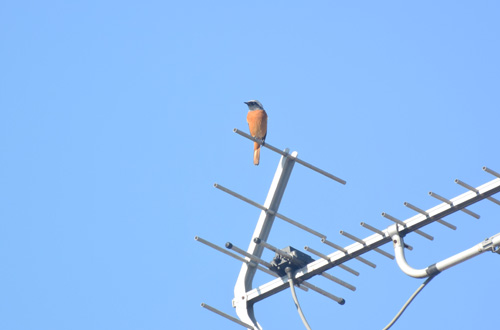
[409, 301]
[288, 271]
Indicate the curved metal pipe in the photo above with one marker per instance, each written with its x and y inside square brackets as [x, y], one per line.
[401, 260]
[491, 243]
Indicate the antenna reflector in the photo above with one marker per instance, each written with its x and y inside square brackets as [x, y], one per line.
[263, 208]
[321, 255]
[338, 247]
[338, 281]
[354, 238]
[375, 230]
[237, 257]
[248, 255]
[243, 198]
[491, 172]
[229, 317]
[463, 184]
[341, 301]
[285, 154]
[272, 248]
[421, 233]
[215, 247]
[447, 201]
[419, 210]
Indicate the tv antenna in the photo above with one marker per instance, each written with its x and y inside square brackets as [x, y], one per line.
[293, 268]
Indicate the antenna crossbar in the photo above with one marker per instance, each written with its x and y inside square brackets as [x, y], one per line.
[393, 219]
[489, 170]
[465, 185]
[308, 285]
[338, 247]
[286, 154]
[419, 210]
[227, 316]
[319, 254]
[263, 208]
[442, 199]
[237, 257]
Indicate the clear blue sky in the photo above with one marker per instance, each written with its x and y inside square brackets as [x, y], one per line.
[117, 116]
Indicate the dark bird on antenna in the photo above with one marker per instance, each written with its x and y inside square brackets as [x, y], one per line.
[257, 123]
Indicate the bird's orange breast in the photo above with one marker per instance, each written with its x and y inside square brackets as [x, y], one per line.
[257, 123]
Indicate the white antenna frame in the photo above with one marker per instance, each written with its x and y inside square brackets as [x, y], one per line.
[245, 296]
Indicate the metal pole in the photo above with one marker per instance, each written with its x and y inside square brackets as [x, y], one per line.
[244, 309]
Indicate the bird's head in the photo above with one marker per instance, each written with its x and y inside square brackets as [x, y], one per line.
[254, 105]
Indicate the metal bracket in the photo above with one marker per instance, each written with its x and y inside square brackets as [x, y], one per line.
[492, 244]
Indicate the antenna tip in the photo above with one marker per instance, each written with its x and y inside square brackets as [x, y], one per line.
[342, 301]
[196, 238]
[257, 240]
[229, 245]
[215, 185]
[235, 130]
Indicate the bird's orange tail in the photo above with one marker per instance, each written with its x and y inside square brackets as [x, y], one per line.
[256, 153]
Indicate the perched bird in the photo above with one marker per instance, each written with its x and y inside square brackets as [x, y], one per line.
[257, 123]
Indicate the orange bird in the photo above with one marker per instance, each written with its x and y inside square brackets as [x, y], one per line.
[257, 123]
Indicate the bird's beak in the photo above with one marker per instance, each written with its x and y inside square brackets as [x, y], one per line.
[246, 103]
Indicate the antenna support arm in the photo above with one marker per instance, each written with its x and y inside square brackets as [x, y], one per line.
[489, 244]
